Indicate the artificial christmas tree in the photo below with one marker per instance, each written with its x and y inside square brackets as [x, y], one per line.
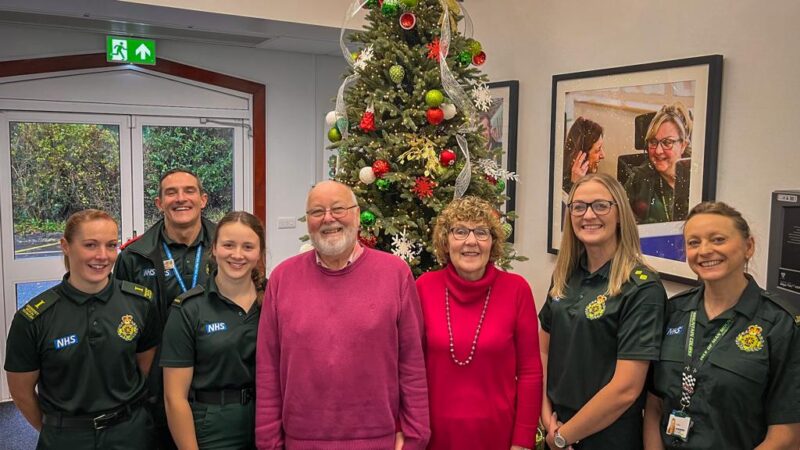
[405, 127]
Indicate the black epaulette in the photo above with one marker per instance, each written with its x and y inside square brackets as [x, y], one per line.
[642, 275]
[137, 290]
[193, 292]
[38, 304]
[785, 304]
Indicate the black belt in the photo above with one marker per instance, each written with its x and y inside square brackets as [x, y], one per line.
[223, 397]
[98, 422]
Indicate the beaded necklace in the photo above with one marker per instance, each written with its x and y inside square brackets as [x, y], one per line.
[477, 330]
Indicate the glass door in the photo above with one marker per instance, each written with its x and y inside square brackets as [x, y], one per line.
[52, 165]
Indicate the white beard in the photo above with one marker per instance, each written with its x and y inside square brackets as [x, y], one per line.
[334, 247]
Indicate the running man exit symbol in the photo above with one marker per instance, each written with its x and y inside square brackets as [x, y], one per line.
[130, 50]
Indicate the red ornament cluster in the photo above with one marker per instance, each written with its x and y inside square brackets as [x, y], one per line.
[447, 157]
[367, 123]
[368, 240]
[435, 116]
[380, 168]
[423, 187]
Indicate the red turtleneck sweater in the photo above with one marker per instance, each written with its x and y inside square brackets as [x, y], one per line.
[495, 401]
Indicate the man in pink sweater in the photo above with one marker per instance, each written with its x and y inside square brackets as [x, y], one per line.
[339, 363]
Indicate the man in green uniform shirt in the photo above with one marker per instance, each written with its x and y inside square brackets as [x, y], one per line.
[169, 258]
[96, 402]
[748, 380]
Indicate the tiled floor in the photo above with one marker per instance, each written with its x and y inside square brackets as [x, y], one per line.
[15, 432]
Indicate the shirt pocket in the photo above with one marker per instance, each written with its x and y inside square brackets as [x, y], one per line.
[737, 367]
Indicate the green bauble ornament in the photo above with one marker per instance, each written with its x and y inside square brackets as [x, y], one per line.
[371, 4]
[434, 98]
[383, 184]
[390, 8]
[408, 4]
[355, 55]
[464, 57]
[367, 218]
[474, 47]
[500, 186]
[507, 229]
[334, 135]
[397, 73]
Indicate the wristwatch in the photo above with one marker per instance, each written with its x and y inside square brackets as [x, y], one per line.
[559, 440]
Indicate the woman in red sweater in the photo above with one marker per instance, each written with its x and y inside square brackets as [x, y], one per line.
[482, 349]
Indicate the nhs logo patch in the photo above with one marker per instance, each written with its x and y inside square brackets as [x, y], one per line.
[149, 272]
[66, 341]
[215, 327]
[675, 331]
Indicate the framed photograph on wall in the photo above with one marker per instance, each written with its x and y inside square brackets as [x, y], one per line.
[655, 128]
[500, 131]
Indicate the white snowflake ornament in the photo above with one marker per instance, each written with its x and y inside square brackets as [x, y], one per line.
[404, 248]
[364, 57]
[490, 167]
[482, 97]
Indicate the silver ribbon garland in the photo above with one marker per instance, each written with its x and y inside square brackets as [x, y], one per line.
[341, 107]
[460, 99]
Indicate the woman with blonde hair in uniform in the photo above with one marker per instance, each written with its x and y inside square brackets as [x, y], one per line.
[601, 324]
[79, 353]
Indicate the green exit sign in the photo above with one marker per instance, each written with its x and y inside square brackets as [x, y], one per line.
[130, 50]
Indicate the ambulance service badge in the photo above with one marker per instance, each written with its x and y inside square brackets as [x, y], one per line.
[750, 340]
[127, 328]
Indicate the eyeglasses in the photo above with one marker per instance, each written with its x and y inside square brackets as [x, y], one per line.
[337, 212]
[666, 143]
[462, 233]
[600, 207]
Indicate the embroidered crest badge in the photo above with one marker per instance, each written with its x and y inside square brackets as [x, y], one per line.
[127, 328]
[750, 340]
[596, 308]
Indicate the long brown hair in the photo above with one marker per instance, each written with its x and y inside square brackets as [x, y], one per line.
[77, 219]
[629, 252]
[581, 137]
[258, 273]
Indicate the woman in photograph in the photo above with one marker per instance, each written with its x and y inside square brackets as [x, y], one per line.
[729, 372]
[482, 359]
[583, 149]
[601, 324]
[658, 190]
[209, 345]
[79, 353]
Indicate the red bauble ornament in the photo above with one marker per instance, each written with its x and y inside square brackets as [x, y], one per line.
[423, 187]
[479, 59]
[492, 180]
[368, 240]
[380, 168]
[407, 20]
[435, 116]
[447, 158]
[367, 123]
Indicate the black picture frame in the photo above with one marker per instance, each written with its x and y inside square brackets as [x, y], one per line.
[503, 115]
[623, 100]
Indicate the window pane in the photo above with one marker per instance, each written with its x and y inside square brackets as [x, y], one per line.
[206, 151]
[56, 170]
[26, 291]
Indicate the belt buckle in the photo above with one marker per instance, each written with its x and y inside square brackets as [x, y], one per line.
[101, 422]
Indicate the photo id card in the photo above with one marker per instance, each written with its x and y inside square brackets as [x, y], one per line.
[169, 264]
[678, 424]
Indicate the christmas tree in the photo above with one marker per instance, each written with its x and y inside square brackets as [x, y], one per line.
[405, 128]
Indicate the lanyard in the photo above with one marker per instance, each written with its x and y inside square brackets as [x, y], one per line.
[175, 266]
[688, 378]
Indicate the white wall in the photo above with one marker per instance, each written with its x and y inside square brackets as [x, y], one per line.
[299, 87]
[531, 40]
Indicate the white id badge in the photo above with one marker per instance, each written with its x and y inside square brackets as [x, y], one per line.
[169, 264]
[678, 424]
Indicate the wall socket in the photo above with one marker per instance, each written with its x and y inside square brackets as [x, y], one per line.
[287, 222]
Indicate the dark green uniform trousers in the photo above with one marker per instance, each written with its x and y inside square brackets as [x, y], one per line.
[136, 433]
[230, 427]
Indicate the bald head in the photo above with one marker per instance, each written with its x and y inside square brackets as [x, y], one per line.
[329, 191]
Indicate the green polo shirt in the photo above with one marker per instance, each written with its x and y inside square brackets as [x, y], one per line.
[84, 345]
[750, 380]
[586, 344]
[214, 335]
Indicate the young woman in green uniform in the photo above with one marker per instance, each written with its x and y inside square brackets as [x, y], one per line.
[729, 372]
[601, 324]
[208, 354]
[87, 344]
